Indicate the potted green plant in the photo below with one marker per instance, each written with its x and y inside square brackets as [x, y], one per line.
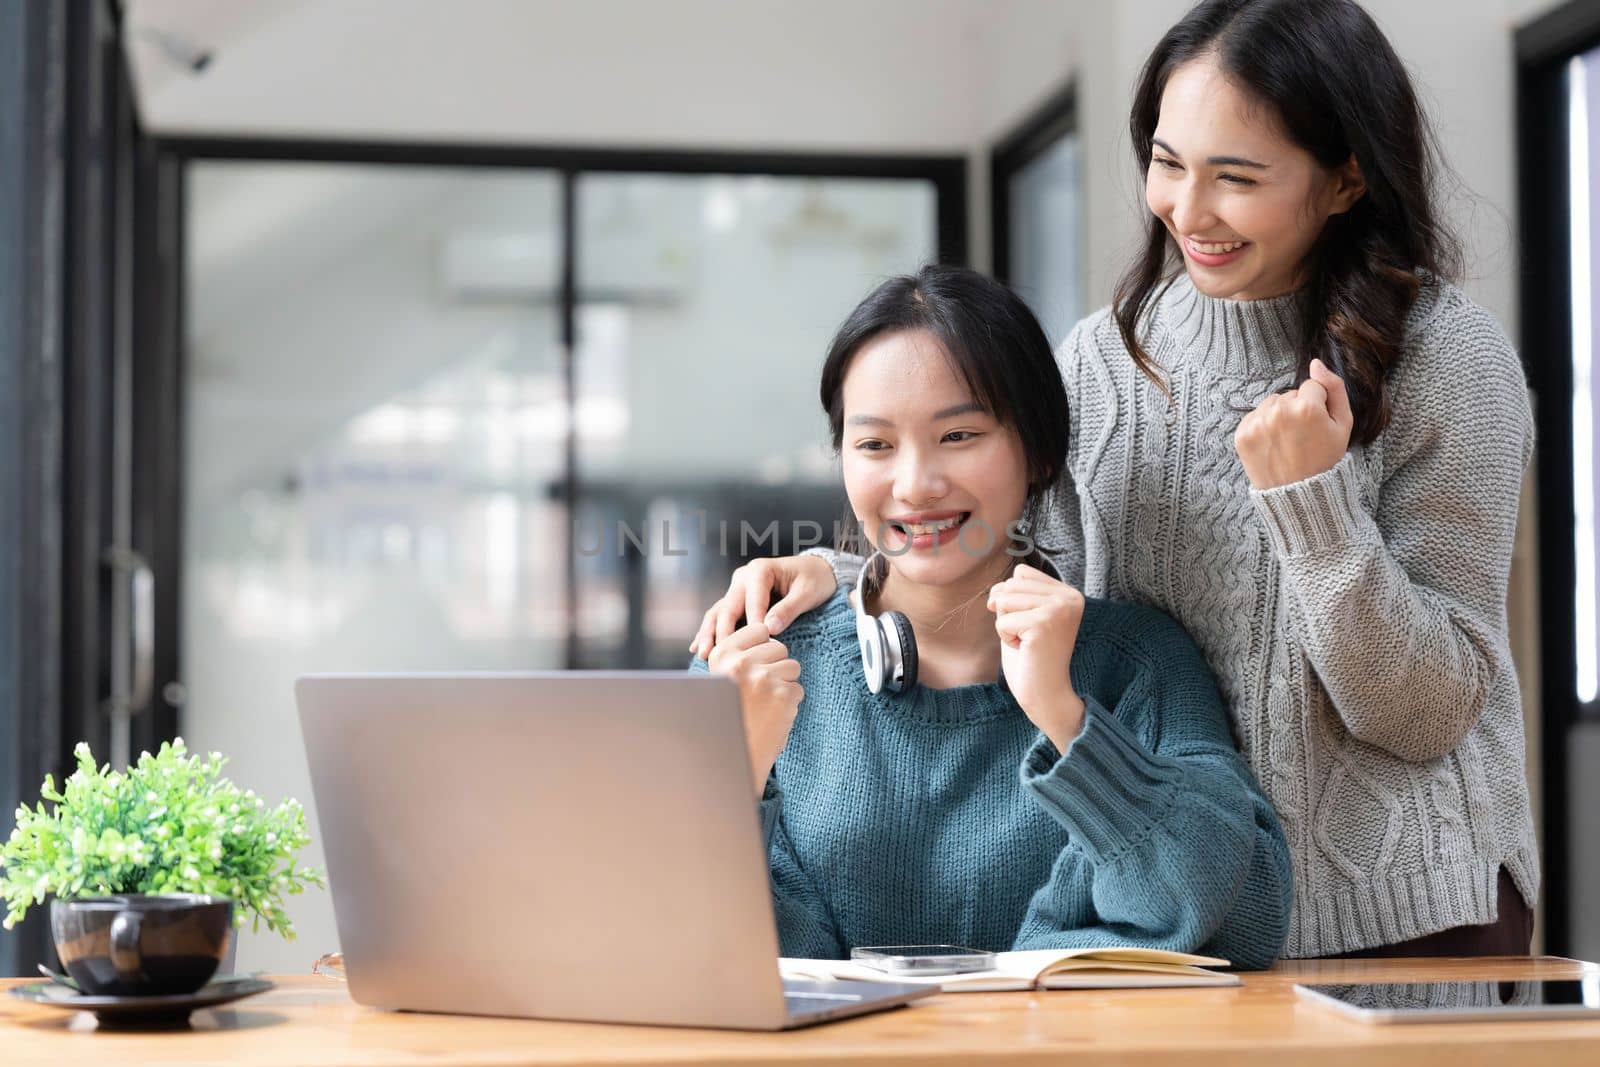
[167, 826]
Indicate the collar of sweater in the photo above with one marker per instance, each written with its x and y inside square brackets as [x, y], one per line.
[1249, 339]
[836, 643]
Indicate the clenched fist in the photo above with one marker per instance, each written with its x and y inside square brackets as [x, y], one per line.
[769, 692]
[1296, 435]
[1037, 618]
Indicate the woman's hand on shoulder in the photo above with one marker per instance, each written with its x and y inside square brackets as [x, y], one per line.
[1037, 618]
[769, 692]
[802, 583]
[1296, 435]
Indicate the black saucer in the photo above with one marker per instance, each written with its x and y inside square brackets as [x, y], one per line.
[127, 1012]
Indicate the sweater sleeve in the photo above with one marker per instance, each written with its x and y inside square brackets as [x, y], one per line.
[1402, 605]
[805, 928]
[846, 567]
[1173, 846]
[1173, 843]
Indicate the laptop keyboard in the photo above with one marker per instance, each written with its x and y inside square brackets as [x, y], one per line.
[806, 998]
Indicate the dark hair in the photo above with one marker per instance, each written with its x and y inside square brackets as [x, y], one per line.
[1338, 89]
[994, 342]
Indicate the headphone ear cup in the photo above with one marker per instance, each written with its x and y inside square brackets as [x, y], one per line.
[874, 653]
[907, 642]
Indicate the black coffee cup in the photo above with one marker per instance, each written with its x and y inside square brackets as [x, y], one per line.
[141, 945]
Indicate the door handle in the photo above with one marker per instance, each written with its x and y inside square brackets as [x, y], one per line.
[142, 628]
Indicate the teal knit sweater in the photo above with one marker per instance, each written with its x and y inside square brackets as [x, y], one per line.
[944, 816]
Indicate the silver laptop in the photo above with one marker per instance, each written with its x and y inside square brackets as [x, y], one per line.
[562, 845]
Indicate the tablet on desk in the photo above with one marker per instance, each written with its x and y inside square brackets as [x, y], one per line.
[1432, 1002]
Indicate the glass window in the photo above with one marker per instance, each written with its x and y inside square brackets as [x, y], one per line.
[706, 307]
[1046, 235]
[1583, 82]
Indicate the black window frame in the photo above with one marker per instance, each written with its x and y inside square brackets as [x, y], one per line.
[69, 139]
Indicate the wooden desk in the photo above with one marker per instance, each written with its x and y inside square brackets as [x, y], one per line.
[310, 1022]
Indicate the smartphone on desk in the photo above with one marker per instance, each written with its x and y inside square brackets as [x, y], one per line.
[915, 960]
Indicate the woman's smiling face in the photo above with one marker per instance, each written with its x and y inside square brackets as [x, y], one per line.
[1243, 201]
[933, 478]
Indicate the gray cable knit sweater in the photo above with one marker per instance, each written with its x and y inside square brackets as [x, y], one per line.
[1356, 620]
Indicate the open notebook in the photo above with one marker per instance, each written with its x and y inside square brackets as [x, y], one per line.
[1044, 968]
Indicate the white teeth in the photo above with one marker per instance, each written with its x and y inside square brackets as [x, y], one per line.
[1216, 249]
[916, 528]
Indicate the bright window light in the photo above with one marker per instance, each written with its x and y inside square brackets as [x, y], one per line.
[1582, 396]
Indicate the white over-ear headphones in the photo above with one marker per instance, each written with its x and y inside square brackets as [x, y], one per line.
[888, 646]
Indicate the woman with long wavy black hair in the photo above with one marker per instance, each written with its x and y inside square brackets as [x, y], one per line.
[1293, 432]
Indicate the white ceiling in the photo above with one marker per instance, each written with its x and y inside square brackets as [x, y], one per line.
[846, 75]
